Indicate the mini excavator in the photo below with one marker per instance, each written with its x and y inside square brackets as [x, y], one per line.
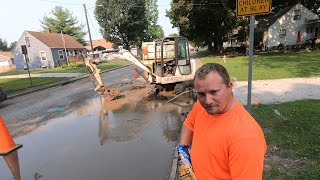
[166, 64]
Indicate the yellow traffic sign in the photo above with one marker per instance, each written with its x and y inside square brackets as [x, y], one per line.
[253, 7]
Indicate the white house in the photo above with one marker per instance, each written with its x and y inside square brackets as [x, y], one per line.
[6, 62]
[291, 26]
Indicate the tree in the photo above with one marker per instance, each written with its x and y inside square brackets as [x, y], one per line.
[173, 34]
[203, 22]
[122, 21]
[64, 21]
[4, 45]
[313, 5]
[154, 31]
[12, 45]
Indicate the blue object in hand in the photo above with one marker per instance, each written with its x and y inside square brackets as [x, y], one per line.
[183, 154]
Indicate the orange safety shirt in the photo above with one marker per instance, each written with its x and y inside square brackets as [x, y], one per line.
[226, 146]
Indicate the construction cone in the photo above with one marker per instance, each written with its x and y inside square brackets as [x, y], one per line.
[8, 149]
[135, 73]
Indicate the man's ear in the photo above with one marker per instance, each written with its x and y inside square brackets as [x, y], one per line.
[230, 85]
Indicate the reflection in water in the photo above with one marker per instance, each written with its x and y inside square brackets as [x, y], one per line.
[127, 120]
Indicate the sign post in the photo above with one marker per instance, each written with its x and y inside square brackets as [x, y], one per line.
[246, 8]
[25, 53]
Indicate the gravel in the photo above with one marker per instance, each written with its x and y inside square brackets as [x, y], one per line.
[278, 91]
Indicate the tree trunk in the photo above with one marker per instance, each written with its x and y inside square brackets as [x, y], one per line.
[210, 47]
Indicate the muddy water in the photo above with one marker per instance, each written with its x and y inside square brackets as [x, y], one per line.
[129, 138]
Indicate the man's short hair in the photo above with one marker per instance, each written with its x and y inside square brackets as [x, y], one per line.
[204, 70]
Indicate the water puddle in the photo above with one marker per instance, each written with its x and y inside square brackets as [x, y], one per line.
[129, 138]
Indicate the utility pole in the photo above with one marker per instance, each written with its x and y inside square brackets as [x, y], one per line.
[85, 11]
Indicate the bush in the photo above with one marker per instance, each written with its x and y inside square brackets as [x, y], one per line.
[241, 49]
[74, 66]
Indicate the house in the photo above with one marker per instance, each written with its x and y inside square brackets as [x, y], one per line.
[6, 62]
[46, 49]
[99, 45]
[293, 25]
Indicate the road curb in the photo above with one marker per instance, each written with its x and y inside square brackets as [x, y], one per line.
[174, 166]
[60, 83]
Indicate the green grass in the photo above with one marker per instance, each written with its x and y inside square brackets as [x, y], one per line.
[273, 66]
[80, 68]
[11, 85]
[293, 141]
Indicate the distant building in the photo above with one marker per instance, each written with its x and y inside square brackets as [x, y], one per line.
[99, 45]
[6, 62]
[292, 25]
[46, 49]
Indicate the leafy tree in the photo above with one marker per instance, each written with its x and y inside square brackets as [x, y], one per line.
[173, 34]
[203, 22]
[154, 31]
[12, 45]
[64, 21]
[122, 21]
[313, 5]
[4, 45]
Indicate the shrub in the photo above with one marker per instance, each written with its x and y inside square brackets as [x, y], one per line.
[74, 65]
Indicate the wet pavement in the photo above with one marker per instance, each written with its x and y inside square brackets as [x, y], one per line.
[128, 138]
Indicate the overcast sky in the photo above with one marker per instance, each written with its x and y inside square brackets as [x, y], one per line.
[18, 16]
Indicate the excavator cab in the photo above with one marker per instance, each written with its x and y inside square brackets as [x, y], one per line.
[171, 55]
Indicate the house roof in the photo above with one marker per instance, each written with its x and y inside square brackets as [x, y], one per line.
[6, 54]
[101, 42]
[265, 22]
[54, 40]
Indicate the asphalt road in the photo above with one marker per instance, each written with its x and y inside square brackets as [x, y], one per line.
[26, 110]
[69, 132]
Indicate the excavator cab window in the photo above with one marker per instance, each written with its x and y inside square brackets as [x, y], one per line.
[183, 59]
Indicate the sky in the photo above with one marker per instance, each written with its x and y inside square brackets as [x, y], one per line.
[20, 15]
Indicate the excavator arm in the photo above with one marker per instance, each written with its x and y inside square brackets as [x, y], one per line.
[101, 88]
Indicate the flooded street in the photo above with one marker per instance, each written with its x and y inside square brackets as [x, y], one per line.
[128, 138]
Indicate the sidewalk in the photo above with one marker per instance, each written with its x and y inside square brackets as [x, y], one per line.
[76, 76]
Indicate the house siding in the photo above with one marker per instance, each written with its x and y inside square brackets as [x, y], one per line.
[55, 54]
[34, 50]
[292, 27]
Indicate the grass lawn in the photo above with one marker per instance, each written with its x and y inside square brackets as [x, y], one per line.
[273, 66]
[293, 140]
[81, 68]
[11, 85]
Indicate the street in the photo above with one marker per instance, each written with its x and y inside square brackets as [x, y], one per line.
[69, 132]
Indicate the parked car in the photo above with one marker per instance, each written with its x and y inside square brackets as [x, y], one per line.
[3, 95]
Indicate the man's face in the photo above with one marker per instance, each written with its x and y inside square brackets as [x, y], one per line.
[213, 94]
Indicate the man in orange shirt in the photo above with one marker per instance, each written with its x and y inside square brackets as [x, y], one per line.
[227, 143]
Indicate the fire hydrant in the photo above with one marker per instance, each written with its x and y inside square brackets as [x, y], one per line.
[224, 58]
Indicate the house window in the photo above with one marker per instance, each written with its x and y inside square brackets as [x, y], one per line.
[27, 41]
[308, 30]
[297, 15]
[43, 56]
[61, 55]
[282, 33]
[75, 52]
